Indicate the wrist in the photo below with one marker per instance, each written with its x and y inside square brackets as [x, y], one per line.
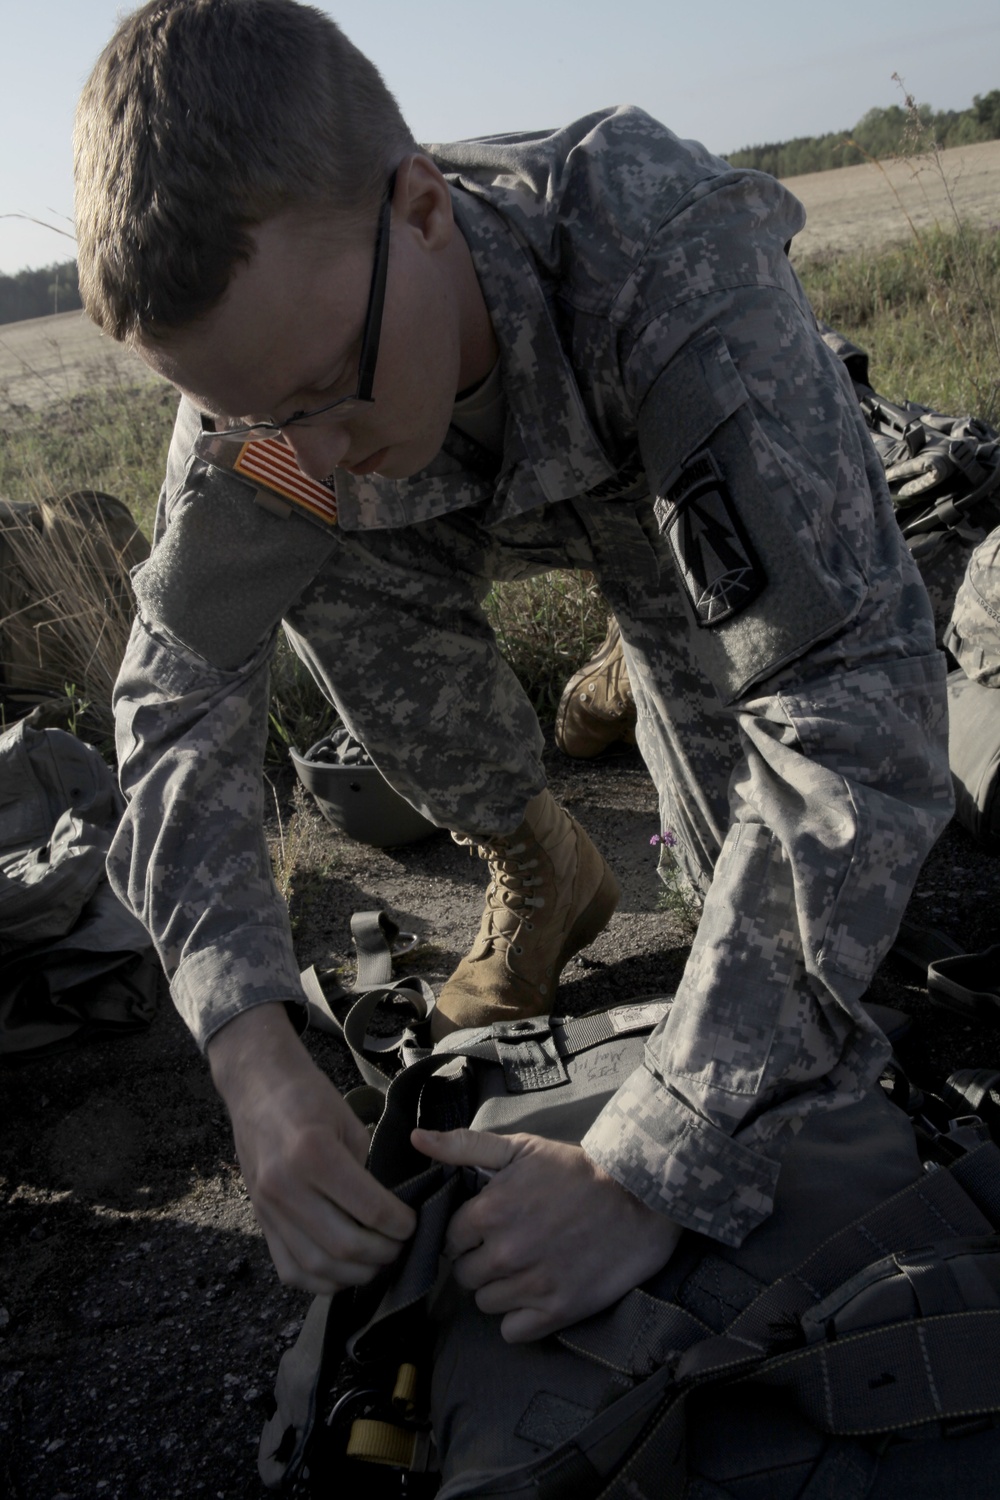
[253, 1042]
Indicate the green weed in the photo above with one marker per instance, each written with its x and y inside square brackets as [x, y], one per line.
[547, 627]
[927, 312]
[299, 713]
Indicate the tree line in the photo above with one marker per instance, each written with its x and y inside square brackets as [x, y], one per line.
[898, 130]
[34, 294]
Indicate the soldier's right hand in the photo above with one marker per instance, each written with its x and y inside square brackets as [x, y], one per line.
[327, 1222]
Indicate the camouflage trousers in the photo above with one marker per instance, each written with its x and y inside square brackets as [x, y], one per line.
[395, 633]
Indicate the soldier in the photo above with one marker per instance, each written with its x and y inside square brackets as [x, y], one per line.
[583, 348]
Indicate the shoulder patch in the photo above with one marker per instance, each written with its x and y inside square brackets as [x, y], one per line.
[716, 560]
[270, 465]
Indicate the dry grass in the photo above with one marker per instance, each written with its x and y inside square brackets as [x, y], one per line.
[547, 627]
[67, 604]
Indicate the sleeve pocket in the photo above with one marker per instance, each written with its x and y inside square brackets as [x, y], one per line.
[761, 573]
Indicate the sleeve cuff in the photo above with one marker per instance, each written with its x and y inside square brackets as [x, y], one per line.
[213, 986]
[679, 1164]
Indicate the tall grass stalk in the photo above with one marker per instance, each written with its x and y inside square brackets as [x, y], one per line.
[65, 635]
[547, 626]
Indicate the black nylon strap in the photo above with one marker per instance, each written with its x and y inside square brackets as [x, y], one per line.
[934, 1207]
[635, 1336]
[898, 1376]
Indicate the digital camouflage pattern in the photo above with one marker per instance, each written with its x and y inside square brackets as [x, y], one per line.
[974, 632]
[652, 333]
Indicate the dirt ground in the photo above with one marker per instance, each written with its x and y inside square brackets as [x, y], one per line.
[140, 1320]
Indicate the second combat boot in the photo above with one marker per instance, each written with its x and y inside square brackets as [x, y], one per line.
[597, 708]
[550, 894]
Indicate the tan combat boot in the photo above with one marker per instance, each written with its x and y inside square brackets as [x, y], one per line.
[597, 708]
[550, 894]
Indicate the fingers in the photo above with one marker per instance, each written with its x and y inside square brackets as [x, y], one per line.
[321, 1245]
[468, 1148]
[305, 1263]
[527, 1324]
[361, 1196]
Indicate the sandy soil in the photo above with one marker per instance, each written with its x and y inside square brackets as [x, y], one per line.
[866, 206]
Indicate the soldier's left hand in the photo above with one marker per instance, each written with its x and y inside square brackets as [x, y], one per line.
[551, 1238]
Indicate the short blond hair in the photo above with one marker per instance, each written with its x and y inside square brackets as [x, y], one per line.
[201, 120]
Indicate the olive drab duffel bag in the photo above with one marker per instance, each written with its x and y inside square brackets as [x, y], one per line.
[849, 1349]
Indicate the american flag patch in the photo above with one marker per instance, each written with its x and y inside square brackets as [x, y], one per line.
[272, 463]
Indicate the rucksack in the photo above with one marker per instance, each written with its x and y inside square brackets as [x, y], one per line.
[864, 1365]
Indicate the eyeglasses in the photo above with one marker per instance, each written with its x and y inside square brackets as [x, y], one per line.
[370, 336]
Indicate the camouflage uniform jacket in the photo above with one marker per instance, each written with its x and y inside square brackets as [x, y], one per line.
[654, 339]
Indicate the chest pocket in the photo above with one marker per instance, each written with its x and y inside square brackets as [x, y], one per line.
[751, 534]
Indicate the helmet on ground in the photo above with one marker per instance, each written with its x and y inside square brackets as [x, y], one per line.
[353, 794]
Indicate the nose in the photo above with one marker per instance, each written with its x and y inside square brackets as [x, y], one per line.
[318, 449]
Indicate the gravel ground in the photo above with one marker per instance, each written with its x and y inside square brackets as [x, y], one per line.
[141, 1322]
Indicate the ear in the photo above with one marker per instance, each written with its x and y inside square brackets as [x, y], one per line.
[422, 201]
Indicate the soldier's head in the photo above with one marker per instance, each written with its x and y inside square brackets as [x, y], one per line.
[201, 120]
[247, 190]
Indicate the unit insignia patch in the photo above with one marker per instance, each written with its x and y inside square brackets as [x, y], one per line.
[715, 558]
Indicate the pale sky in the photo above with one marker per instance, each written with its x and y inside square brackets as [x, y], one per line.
[726, 72]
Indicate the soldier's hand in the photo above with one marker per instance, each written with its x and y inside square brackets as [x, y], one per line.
[551, 1238]
[327, 1222]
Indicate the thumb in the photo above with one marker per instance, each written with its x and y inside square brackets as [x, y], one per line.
[467, 1148]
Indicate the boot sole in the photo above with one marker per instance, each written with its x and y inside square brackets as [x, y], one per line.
[592, 920]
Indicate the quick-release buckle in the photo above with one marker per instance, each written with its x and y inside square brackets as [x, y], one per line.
[964, 1133]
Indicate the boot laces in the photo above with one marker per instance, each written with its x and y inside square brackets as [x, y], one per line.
[507, 900]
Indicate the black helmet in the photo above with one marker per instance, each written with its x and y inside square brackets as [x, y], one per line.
[354, 795]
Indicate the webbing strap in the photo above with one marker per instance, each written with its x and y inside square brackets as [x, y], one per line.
[656, 1469]
[897, 1376]
[936, 1206]
[583, 1032]
[374, 933]
[978, 1175]
[418, 1271]
[636, 1336]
